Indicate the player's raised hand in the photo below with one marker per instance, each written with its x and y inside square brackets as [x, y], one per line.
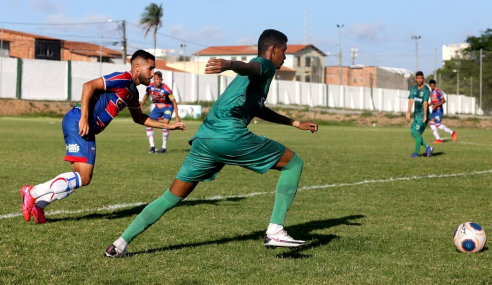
[177, 126]
[408, 115]
[83, 127]
[218, 65]
[313, 127]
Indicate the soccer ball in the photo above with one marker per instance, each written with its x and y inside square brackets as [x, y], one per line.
[469, 237]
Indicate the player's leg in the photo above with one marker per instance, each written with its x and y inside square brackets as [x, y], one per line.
[196, 167]
[418, 138]
[440, 126]
[433, 127]
[81, 152]
[166, 117]
[154, 114]
[290, 166]
[428, 148]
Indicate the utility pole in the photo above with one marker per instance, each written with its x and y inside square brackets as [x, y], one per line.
[123, 27]
[417, 38]
[340, 50]
[481, 79]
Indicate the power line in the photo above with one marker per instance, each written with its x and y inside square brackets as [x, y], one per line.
[56, 24]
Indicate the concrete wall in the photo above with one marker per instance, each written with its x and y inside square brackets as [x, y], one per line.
[48, 80]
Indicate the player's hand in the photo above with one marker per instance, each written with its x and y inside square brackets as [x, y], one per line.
[408, 116]
[313, 127]
[177, 126]
[219, 65]
[425, 118]
[177, 119]
[83, 127]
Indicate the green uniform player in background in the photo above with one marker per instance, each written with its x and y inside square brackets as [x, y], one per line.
[419, 94]
[224, 139]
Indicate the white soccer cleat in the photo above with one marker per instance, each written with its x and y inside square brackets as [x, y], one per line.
[113, 251]
[281, 239]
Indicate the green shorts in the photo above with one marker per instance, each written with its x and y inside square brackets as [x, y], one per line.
[208, 156]
[418, 127]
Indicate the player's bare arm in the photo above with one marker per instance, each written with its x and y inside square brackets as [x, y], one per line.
[215, 66]
[143, 119]
[269, 115]
[409, 110]
[426, 105]
[144, 99]
[88, 90]
[439, 104]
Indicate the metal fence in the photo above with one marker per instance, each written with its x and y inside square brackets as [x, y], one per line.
[470, 75]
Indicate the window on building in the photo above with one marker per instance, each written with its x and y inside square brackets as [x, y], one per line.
[233, 58]
[47, 49]
[308, 61]
[243, 58]
[298, 61]
[307, 78]
[298, 78]
[5, 49]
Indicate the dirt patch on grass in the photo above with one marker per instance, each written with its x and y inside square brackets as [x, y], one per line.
[15, 107]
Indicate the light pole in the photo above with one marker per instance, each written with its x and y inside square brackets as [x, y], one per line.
[340, 50]
[354, 54]
[417, 38]
[123, 42]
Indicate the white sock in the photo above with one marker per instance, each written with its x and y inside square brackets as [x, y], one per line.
[446, 129]
[274, 228]
[44, 201]
[434, 131]
[62, 184]
[150, 136]
[120, 244]
[165, 135]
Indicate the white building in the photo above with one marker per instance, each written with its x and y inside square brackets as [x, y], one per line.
[453, 51]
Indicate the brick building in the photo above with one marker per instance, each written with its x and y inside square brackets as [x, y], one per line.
[370, 76]
[24, 45]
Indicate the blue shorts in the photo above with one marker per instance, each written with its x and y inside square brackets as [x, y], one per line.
[164, 113]
[79, 149]
[436, 115]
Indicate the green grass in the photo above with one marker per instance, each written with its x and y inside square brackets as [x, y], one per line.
[387, 232]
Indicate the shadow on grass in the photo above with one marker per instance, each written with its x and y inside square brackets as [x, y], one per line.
[117, 214]
[302, 232]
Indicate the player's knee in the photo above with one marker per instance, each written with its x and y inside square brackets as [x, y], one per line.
[85, 179]
[295, 162]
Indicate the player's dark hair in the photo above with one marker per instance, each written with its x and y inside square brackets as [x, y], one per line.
[432, 81]
[158, 73]
[270, 38]
[419, 73]
[142, 54]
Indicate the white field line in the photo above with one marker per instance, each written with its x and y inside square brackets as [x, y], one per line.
[220, 197]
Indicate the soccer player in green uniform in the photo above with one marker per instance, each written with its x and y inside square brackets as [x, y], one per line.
[224, 138]
[420, 95]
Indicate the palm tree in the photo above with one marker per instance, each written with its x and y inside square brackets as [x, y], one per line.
[151, 19]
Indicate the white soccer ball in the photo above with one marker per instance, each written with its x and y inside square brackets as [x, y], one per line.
[469, 237]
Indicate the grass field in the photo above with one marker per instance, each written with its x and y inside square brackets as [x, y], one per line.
[370, 214]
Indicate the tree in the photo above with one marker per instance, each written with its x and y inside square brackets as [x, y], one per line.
[151, 20]
[484, 42]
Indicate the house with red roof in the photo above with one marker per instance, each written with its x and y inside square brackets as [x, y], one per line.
[304, 63]
[24, 45]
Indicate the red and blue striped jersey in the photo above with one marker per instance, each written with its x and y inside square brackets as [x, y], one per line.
[436, 98]
[119, 92]
[161, 96]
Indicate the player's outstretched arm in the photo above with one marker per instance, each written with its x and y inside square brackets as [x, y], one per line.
[142, 119]
[269, 115]
[88, 90]
[215, 66]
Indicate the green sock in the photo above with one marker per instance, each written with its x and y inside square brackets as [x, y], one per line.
[418, 141]
[424, 143]
[150, 215]
[286, 189]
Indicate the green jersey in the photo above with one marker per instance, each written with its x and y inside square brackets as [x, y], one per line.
[419, 96]
[238, 105]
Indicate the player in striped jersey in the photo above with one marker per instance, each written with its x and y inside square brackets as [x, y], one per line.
[102, 99]
[437, 100]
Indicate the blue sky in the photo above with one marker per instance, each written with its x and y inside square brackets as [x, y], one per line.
[381, 30]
